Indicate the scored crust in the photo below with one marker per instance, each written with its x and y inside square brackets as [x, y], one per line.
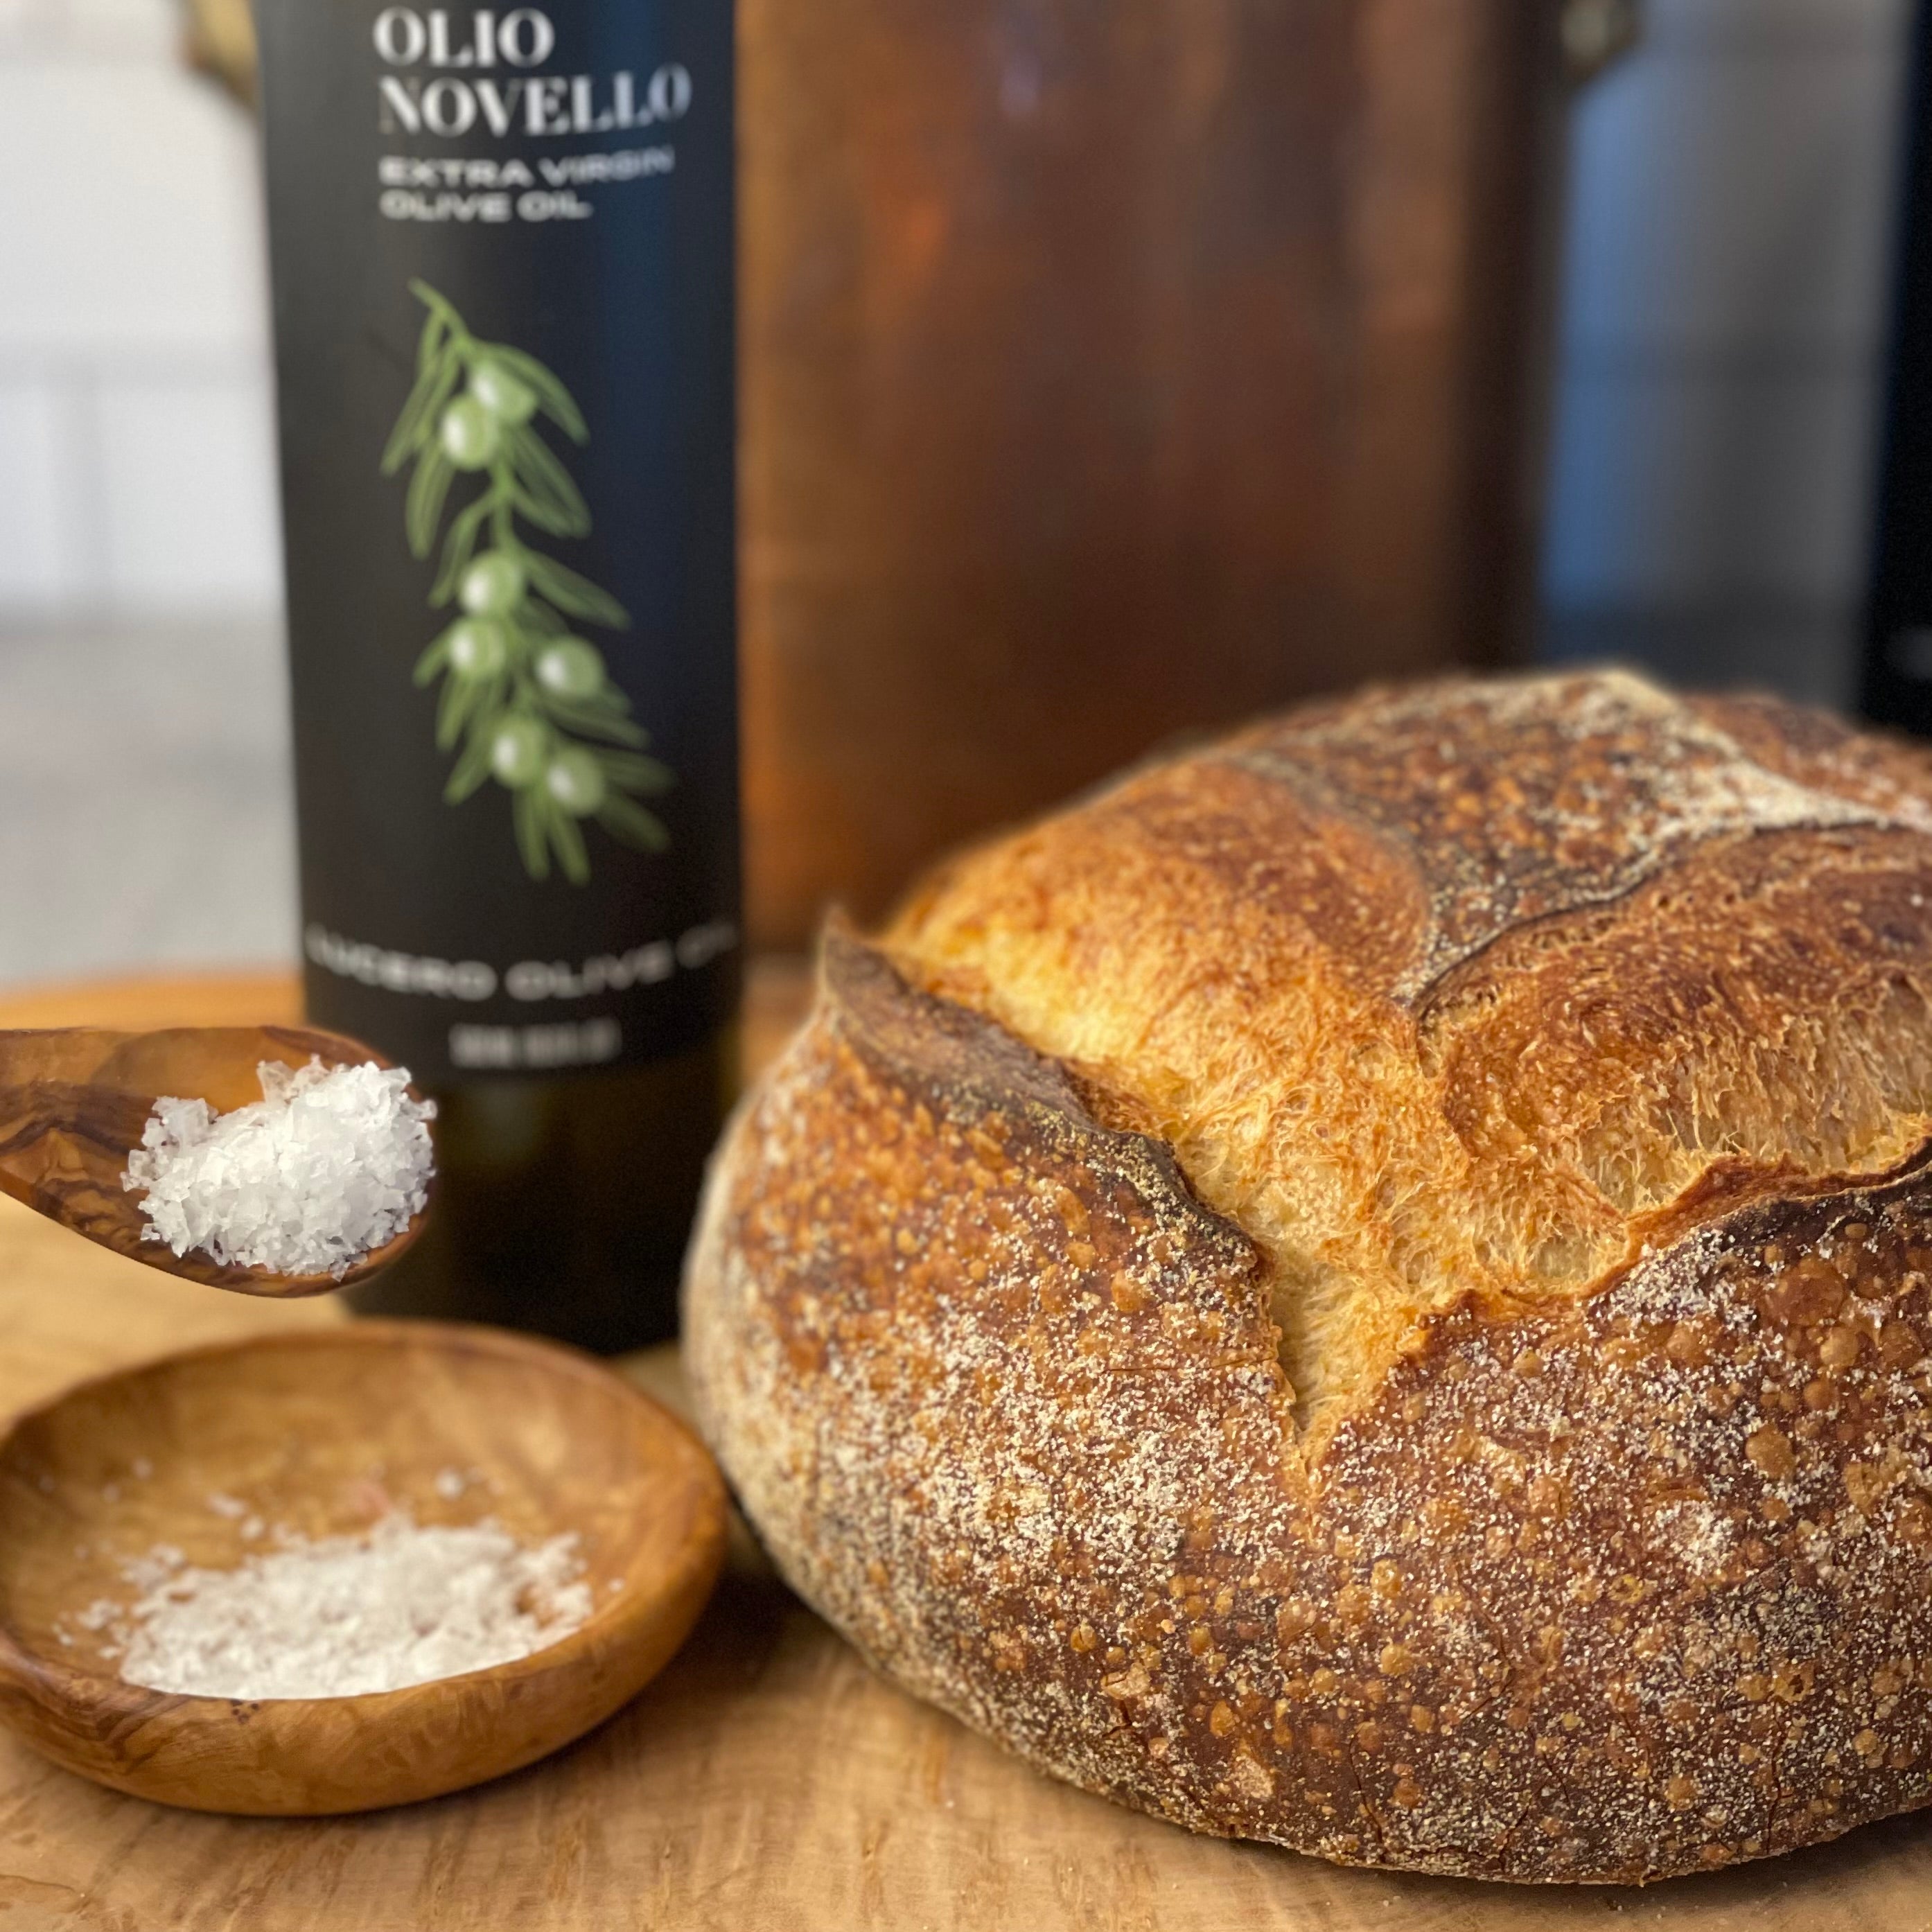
[1366, 1287]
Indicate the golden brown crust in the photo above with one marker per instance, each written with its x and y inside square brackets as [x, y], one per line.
[1449, 988]
[1608, 1554]
[1520, 801]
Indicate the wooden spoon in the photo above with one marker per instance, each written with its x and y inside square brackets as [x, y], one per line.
[321, 1433]
[74, 1103]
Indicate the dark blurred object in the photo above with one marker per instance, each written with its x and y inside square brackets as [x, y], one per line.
[221, 41]
[1897, 686]
[1596, 32]
[1112, 372]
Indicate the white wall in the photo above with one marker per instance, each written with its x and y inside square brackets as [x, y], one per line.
[136, 462]
[1725, 286]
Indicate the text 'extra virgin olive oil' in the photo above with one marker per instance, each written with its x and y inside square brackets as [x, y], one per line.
[501, 250]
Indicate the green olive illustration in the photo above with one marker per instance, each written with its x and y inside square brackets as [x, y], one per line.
[518, 749]
[471, 435]
[570, 668]
[576, 780]
[522, 699]
[506, 398]
[478, 647]
[493, 586]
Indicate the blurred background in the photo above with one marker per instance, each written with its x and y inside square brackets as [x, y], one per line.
[1706, 335]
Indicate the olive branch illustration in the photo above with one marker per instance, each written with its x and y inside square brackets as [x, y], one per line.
[530, 703]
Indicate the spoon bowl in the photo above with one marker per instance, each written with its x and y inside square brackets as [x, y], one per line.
[74, 1102]
[321, 1433]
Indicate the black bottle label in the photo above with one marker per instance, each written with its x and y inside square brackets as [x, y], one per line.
[502, 251]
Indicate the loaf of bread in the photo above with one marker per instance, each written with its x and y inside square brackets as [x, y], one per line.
[1366, 1286]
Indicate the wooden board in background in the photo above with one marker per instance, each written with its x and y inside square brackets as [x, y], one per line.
[766, 1783]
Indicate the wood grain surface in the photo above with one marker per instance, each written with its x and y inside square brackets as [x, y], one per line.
[766, 1780]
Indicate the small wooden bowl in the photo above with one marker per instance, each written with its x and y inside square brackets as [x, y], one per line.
[323, 1431]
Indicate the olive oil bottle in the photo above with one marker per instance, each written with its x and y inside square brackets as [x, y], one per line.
[501, 244]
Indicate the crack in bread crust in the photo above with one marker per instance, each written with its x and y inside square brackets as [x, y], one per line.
[1519, 800]
[1449, 988]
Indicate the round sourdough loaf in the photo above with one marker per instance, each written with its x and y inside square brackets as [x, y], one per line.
[1366, 1286]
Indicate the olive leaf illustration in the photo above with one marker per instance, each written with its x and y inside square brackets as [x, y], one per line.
[525, 700]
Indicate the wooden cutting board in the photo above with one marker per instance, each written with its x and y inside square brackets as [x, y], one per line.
[767, 1782]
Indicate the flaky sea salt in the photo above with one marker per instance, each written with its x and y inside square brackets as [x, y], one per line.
[328, 1166]
[345, 1615]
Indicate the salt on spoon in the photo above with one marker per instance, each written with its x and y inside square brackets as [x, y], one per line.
[328, 1166]
[75, 1102]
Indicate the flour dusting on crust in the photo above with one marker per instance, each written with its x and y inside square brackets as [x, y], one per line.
[1525, 798]
[1607, 1579]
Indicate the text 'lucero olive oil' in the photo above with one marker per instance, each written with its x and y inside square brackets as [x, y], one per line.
[501, 250]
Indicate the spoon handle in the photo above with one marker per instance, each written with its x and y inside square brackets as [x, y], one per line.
[64, 1147]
